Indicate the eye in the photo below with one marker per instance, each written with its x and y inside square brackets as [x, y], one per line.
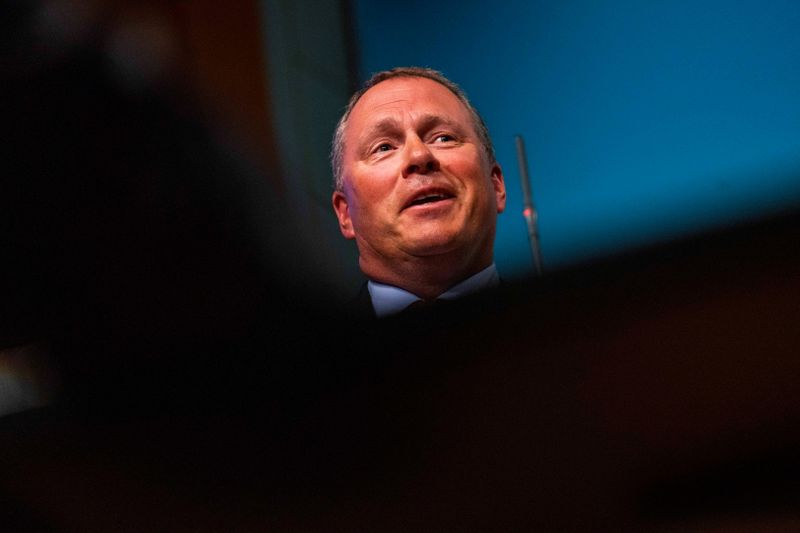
[443, 138]
[383, 147]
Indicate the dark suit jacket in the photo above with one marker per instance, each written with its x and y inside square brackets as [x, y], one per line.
[361, 305]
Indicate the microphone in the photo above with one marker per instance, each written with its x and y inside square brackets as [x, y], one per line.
[529, 210]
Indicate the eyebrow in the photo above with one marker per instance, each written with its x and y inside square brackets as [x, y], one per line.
[383, 127]
[429, 121]
[425, 122]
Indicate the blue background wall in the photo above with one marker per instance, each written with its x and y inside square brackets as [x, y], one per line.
[643, 121]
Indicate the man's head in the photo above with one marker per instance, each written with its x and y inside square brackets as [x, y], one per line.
[399, 72]
[417, 184]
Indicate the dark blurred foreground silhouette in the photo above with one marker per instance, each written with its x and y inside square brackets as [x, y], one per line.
[193, 384]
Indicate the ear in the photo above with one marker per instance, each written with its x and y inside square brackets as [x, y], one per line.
[499, 187]
[342, 210]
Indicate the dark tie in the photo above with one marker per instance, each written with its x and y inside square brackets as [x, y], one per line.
[420, 304]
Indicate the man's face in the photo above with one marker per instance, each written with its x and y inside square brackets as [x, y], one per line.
[417, 181]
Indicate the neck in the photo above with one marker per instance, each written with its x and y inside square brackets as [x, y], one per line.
[426, 277]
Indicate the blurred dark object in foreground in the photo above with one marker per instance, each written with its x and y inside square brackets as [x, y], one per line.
[199, 390]
[654, 392]
[123, 213]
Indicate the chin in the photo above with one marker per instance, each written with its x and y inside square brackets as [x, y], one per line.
[436, 244]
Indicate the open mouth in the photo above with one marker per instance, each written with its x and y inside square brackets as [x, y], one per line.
[429, 198]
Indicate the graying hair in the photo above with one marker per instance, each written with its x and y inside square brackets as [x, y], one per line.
[337, 147]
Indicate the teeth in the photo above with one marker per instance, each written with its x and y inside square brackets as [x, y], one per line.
[427, 198]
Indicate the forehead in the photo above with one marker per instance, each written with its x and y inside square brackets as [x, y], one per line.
[404, 98]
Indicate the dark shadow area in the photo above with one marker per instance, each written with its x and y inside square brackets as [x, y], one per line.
[200, 388]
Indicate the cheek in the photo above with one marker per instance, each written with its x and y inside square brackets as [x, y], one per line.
[468, 166]
[375, 189]
[476, 180]
[370, 204]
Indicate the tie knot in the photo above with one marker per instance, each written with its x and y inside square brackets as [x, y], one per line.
[419, 304]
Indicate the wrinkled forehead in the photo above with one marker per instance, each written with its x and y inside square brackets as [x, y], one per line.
[403, 98]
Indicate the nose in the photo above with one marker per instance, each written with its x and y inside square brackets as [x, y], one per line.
[419, 158]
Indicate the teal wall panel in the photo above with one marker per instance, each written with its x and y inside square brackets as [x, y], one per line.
[643, 121]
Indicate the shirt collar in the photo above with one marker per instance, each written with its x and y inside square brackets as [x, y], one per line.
[388, 300]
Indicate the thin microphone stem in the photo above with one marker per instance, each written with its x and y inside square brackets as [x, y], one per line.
[529, 212]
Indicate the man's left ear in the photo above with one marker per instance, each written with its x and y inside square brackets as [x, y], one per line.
[499, 187]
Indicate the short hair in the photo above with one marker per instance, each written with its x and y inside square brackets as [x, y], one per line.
[337, 147]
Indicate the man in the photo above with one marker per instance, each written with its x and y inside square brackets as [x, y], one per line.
[418, 188]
